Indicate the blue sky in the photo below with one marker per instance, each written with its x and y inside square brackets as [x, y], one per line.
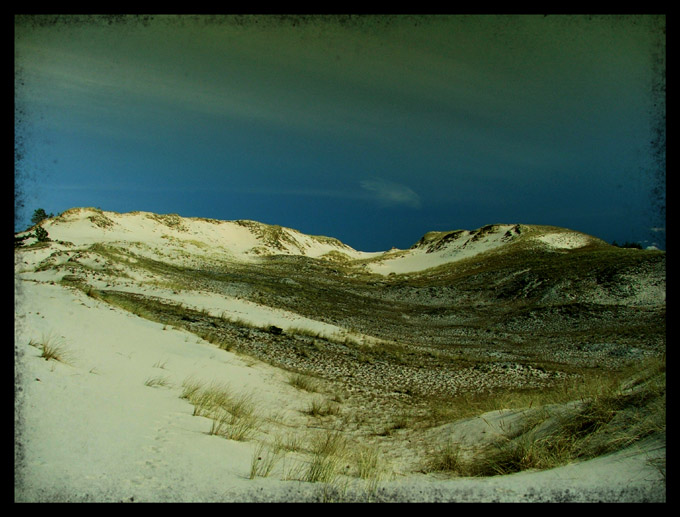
[371, 129]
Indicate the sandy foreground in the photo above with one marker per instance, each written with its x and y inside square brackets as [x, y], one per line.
[92, 429]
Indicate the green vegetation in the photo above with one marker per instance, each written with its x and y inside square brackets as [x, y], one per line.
[604, 417]
[19, 240]
[328, 454]
[41, 234]
[369, 463]
[627, 244]
[40, 215]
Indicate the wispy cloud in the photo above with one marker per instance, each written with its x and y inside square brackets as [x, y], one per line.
[102, 94]
[391, 194]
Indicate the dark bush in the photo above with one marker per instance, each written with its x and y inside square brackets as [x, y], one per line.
[41, 234]
[40, 215]
[627, 244]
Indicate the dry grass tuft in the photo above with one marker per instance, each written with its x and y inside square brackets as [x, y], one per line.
[328, 458]
[303, 382]
[52, 349]
[264, 460]
[153, 382]
[321, 408]
[233, 415]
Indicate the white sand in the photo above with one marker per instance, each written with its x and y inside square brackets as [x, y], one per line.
[93, 427]
[565, 240]
[419, 259]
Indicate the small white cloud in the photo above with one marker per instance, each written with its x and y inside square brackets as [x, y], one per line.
[390, 193]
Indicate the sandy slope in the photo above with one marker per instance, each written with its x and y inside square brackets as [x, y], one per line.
[93, 427]
[236, 240]
[92, 430]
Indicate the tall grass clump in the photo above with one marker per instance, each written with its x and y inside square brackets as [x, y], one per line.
[522, 453]
[328, 452]
[190, 387]
[321, 408]
[368, 462]
[371, 468]
[232, 426]
[290, 442]
[233, 415]
[328, 458]
[264, 460]
[51, 349]
[303, 382]
[446, 458]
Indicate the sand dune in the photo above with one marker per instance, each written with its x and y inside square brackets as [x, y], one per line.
[105, 420]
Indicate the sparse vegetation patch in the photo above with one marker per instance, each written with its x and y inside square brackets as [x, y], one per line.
[601, 418]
